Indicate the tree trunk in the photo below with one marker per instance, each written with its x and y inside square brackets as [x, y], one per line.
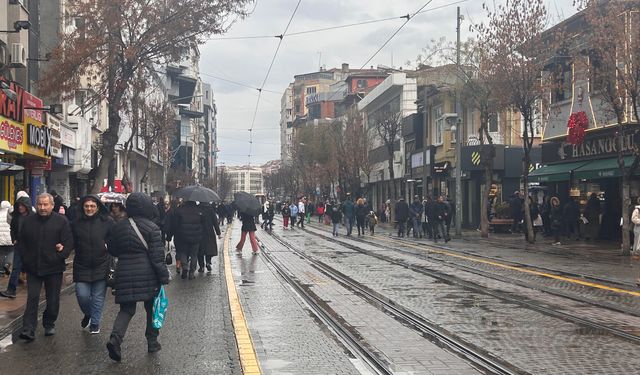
[392, 190]
[626, 204]
[484, 207]
[525, 177]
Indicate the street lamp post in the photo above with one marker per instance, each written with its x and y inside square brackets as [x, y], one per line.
[458, 201]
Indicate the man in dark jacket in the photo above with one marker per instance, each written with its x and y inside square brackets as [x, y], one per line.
[571, 214]
[91, 260]
[416, 215]
[402, 215]
[45, 241]
[140, 272]
[186, 228]
[208, 244]
[440, 213]
[517, 213]
[349, 211]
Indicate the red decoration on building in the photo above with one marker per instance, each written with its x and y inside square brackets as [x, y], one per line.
[578, 123]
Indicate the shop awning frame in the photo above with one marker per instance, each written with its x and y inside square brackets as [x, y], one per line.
[555, 172]
[601, 168]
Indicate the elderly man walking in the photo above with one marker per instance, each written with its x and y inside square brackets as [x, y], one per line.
[46, 241]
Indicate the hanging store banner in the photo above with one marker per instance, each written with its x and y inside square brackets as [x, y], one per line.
[11, 136]
[55, 125]
[38, 138]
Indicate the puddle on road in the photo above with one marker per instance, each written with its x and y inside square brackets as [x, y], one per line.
[5, 343]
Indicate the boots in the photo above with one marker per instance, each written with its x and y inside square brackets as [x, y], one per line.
[113, 346]
[153, 346]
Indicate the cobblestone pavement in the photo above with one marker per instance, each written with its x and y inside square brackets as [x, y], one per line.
[404, 349]
[531, 340]
[627, 303]
[197, 337]
[287, 337]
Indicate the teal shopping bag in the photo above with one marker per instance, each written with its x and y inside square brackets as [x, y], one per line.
[160, 304]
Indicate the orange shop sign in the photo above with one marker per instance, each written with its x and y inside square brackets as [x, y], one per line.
[11, 136]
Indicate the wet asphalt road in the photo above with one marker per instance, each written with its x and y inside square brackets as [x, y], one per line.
[197, 337]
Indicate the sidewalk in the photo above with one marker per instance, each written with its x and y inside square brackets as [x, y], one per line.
[11, 309]
[599, 261]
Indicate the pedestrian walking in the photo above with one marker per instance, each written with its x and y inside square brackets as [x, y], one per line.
[140, 271]
[424, 220]
[248, 228]
[348, 209]
[545, 210]
[221, 212]
[309, 209]
[6, 245]
[571, 214]
[372, 220]
[536, 220]
[430, 214]
[293, 213]
[91, 260]
[402, 215]
[440, 216]
[361, 215]
[286, 214]
[592, 214]
[555, 218]
[301, 212]
[416, 209]
[45, 242]
[320, 211]
[516, 207]
[336, 217]
[118, 212]
[21, 209]
[187, 232]
[208, 244]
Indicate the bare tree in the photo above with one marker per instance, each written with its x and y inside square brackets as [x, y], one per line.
[116, 39]
[612, 36]
[512, 41]
[388, 128]
[224, 183]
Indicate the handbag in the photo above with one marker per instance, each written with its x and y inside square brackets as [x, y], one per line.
[111, 273]
[538, 221]
[168, 259]
[160, 304]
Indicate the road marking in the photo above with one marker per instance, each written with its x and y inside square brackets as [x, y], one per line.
[244, 343]
[519, 269]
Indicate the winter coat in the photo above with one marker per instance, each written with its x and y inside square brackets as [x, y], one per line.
[416, 209]
[373, 219]
[440, 211]
[248, 223]
[286, 211]
[17, 220]
[91, 260]
[293, 210]
[25, 198]
[187, 224]
[140, 270]
[430, 210]
[402, 211]
[516, 208]
[336, 214]
[571, 211]
[211, 227]
[301, 208]
[361, 211]
[348, 208]
[5, 228]
[38, 240]
[555, 217]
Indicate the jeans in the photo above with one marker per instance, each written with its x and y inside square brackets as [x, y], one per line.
[439, 228]
[91, 299]
[416, 227]
[52, 284]
[301, 221]
[360, 224]
[15, 271]
[348, 221]
[292, 223]
[188, 252]
[336, 226]
[127, 311]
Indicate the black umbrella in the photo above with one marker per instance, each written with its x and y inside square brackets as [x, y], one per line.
[247, 203]
[197, 194]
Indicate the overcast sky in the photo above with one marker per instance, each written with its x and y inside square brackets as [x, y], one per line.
[246, 61]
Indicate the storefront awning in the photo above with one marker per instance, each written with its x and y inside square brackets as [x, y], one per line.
[603, 168]
[555, 172]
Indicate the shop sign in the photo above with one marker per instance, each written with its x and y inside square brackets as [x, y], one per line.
[54, 125]
[38, 139]
[68, 137]
[598, 147]
[417, 160]
[11, 136]
[44, 165]
[12, 109]
[472, 157]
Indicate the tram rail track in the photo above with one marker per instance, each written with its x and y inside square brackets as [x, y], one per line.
[482, 360]
[478, 289]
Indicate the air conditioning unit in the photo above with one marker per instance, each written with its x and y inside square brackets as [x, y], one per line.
[18, 57]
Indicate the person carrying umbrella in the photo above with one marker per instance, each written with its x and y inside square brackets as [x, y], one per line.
[208, 244]
[187, 228]
[248, 206]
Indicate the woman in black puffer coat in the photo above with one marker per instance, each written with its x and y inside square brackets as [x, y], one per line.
[91, 260]
[140, 271]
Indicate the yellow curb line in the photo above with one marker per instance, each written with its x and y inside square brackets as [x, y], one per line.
[523, 270]
[246, 350]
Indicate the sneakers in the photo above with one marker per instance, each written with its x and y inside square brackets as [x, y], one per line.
[94, 330]
[557, 243]
[201, 270]
[113, 346]
[85, 321]
[184, 274]
[49, 331]
[8, 293]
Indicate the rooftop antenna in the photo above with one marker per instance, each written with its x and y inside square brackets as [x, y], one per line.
[319, 60]
[392, 59]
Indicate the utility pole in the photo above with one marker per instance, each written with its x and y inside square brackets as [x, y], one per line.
[458, 201]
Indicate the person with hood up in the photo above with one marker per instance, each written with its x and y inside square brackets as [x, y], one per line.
[21, 210]
[361, 216]
[118, 212]
[6, 245]
[402, 215]
[140, 271]
[91, 261]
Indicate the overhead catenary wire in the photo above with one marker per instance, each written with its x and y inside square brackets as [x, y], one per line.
[264, 82]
